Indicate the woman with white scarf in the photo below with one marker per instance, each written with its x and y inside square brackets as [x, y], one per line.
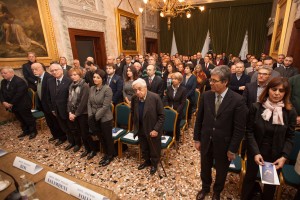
[269, 134]
[78, 114]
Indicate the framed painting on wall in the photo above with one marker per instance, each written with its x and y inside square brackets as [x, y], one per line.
[26, 26]
[128, 32]
[280, 27]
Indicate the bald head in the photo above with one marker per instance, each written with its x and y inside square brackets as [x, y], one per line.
[37, 69]
[7, 73]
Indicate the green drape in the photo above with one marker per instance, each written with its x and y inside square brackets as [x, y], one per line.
[165, 36]
[218, 28]
[181, 30]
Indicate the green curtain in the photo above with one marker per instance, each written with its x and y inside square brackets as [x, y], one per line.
[165, 36]
[218, 28]
[258, 16]
[181, 30]
[237, 29]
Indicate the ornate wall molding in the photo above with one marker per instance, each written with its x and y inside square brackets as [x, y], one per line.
[150, 34]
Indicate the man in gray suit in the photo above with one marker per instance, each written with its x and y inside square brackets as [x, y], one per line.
[287, 70]
[219, 129]
[148, 118]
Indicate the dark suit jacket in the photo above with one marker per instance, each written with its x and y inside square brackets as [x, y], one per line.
[43, 103]
[221, 62]
[282, 142]
[288, 72]
[235, 83]
[144, 65]
[29, 76]
[119, 70]
[226, 128]
[16, 94]
[157, 85]
[195, 62]
[153, 114]
[58, 96]
[190, 87]
[116, 85]
[250, 93]
[177, 102]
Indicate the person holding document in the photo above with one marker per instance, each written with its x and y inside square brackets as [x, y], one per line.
[269, 133]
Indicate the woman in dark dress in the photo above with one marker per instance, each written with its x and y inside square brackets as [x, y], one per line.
[100, 115]
[269, 134]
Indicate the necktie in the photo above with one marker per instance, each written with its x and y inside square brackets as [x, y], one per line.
[206, 65]
[58, 82]
[108, 80]
[39, 88]
[150, 81]
[7, 85]
[218, 103]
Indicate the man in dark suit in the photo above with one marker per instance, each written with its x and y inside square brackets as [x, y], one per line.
[115, 82]
[268, 61]
[118, 66]
[14, 97]
[239, 80]
[126, 65]
[199, 60]
[58, 93]
[207, 67]
[28, 75]
[148, 119]
[219, 129]
[287, 70]
[154, 83]
[64, 64]
[143, 62]
[279, 63]
[42, 103]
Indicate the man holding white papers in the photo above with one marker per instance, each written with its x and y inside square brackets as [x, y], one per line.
[269, 134]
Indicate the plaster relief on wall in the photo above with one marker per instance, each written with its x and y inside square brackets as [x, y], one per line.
[149, 34]
[298, 9]
[151, 20]
[85, 24]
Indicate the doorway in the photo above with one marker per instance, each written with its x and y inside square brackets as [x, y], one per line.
[151, 45]
[294, 47]
[88, 43]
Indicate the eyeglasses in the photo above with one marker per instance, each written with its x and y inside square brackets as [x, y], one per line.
[263, 74]
[213, 80]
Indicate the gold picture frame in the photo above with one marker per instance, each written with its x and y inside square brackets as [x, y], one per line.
[280, 27]
[128, 32]
[51, 52]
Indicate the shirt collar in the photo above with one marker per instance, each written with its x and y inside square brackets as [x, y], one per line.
[152, 77]
[223, 94]
[60, 79]
[144, 99]
[42, 76]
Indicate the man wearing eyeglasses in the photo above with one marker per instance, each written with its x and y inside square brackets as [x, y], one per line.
[268, 62]
[219, 129]
[254, 89]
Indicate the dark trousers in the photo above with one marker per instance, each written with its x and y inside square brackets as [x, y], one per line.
[105, 137]
[251, 175]
[63, 124]
[151, 147]
[191, 108]
[53, 125]
[221, 166]
[28, 124]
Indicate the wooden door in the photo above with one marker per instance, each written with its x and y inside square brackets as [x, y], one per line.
[294, 47]
[151, 45]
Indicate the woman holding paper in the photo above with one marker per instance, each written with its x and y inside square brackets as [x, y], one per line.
[269, 134]
[100, 115]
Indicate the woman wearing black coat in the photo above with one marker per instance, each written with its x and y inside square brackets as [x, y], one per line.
[269, 134]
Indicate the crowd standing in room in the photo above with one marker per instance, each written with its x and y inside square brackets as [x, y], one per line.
[77, 103]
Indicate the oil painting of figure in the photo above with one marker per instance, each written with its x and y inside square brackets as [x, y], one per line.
[20, 29]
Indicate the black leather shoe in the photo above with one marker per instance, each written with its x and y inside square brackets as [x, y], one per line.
[107, 161]
[153, 170]
[69, 147]
[59, 142]
[32, 135]
[52, 139]
[76, 148]
[143, 165]
[103, 159]
[22, 135]
[84, 154]
[91, 155]
[201, 195]
[216, 196]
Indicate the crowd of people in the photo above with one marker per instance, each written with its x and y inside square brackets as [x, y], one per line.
[256, 99]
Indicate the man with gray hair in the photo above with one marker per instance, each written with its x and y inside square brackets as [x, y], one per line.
[148, 118]
[268, 61]
[14, 97]
[219, 130]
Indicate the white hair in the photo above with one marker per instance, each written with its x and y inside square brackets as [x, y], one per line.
[140, 82]
[9, 69]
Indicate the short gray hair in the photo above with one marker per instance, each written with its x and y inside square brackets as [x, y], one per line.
[241, 63]
[266, 68]
[223, 72]
[139, 81]
[9, 69]
[56, 64]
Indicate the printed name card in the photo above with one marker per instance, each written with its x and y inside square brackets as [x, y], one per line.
[26, 165]
[2, 152]
[85, 194]
[59, 182]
